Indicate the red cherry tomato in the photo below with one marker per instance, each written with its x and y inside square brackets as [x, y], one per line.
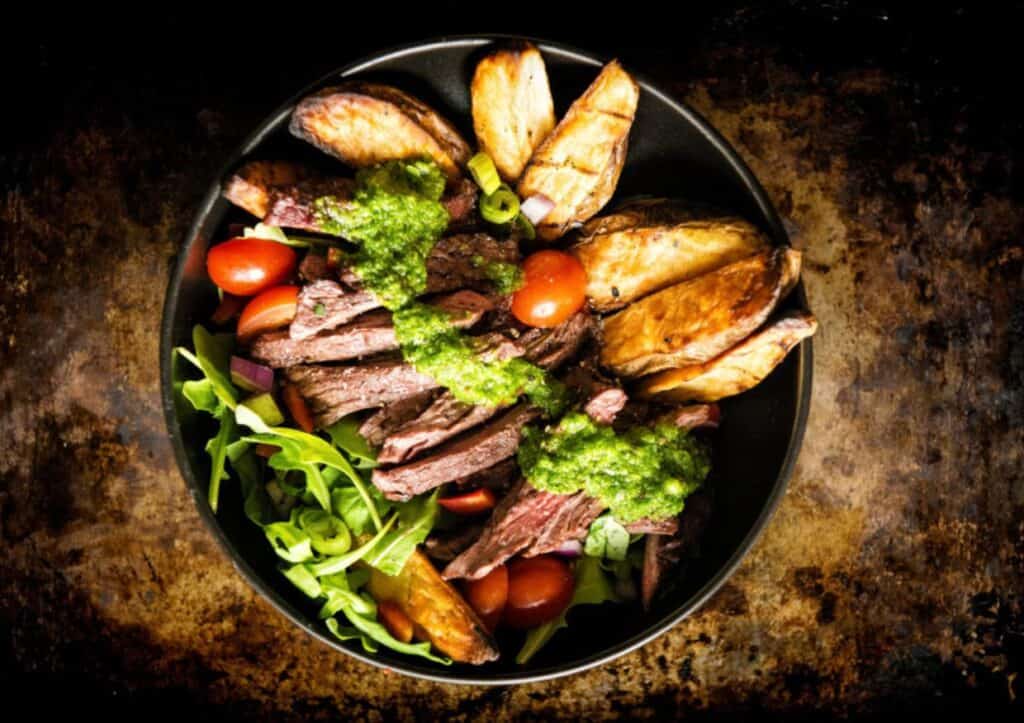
[539, 590]
[554, 288]
[488, 595]
[469, 503]
[298, 408]
[395, 620]
[270, 310]
[247, 266]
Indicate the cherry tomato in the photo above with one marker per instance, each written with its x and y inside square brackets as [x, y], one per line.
[297, 408]
[488, 595]
[247, 266]
[395, 620]
[469, 503]
[539, 590]
[270, 310]
[554, 288]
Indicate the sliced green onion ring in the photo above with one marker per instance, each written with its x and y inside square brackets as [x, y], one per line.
[342, 562]
[328, 534]
[501, 206]
[303, 579]
[289, 542]
[522, 224]
[481, 167]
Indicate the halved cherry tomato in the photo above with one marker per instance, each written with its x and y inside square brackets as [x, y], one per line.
[395, 620]
[488, 595]
[554, 288]
[247, 266]
[230, 307]
[266, 450]
[297, 408]
[539, 590]
[270, 310]
[469, 503]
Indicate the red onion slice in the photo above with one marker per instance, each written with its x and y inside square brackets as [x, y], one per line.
[570, 548]
[536, 208]
[251, 376]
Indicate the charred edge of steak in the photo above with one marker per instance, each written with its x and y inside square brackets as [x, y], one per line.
[479, 450]
[327, 304]
[382, 423]
[446, 546]
[292, 206]
[453, 263]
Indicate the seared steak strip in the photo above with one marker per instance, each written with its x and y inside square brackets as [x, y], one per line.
[371, 333]
[292, 206]
[498, 477]
[531, 522]
[647, 526]
[313, 267]
[327, 304]
[336, 392]
[484, 447]
[390, 417]
[604, 399]
[460, 261]
[447, 416]
[445, 546]
[333, 392]
[460, 202]
[661, 552]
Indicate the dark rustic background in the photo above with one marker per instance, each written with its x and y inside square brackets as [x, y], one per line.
[891, 577]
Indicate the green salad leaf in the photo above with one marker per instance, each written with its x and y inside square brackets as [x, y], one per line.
[394, 550]
[592, 588]
[346, 437]
[348, 504]
[607, 538]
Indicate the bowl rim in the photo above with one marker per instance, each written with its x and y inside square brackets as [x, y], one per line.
[171, 299]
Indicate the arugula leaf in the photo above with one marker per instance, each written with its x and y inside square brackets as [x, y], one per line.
[349, 506]
[307, 451]
[289, 542]
[417, 517]
[339, 563]
[345, 435]
[213, 357]
[255, 500]
[217, 449]
[291, 456]
[201, 395]
[592, 588]
[303, 579]
[607, 538]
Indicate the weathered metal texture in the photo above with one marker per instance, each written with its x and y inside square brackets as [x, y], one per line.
[892, 572]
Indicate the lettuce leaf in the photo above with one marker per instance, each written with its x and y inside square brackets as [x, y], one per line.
[394, 550]
[345, 435]
[607, 538]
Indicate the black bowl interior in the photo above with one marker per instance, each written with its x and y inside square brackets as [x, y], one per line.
[672, 152]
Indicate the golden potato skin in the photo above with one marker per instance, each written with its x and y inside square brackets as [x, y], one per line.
[512, 107]
[366, 123]
[578, 166]
[437, 609]
[249, 188]
[695, 321]
[741, 368]
[647, 245]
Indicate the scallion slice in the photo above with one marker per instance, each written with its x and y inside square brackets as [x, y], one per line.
[501, 206]
[481, 167]
[289, 542]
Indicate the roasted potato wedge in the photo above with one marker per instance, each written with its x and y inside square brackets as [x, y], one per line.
[578, 166]
[250, 187]
[737, 370]
[437, 609]
[647, 245]
[512, 107]
[695, 321]
[367, 123]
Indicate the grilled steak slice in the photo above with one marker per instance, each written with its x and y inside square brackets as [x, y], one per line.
[390, 417]
[460, 202]
[498, 477]
[327, 304]
[662, 552]
[371, 333]
[447, 416]
[335, 392]
[647, 526]
[604, 399]
[446, 546]
[484, 447]
[313, 267]
[442, 420]
[250, 187]
[695, 416]
[455, 261]
[292, 206]
[531, 522]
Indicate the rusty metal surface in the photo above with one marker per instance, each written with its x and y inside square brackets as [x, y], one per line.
[890, 577]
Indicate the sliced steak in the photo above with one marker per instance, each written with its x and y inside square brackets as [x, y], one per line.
[498, 478]
[486, 446]
[335, 392]
[372, 333]
[455, 261]
[531, 522]
[460, 202]
[604, 399]
[327, 304]
[647, 526]
[376, 428]
[662, 552]
[313, 267]
[441, 421]
[447, 416]
[252, 184]
[694, 416]
[446, 546]
[291, 206]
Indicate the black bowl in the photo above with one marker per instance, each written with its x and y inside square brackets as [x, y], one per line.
[672, 152]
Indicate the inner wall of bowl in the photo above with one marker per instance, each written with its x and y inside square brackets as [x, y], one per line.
[668, 155]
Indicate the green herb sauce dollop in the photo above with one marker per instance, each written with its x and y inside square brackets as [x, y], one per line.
[643, 472]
